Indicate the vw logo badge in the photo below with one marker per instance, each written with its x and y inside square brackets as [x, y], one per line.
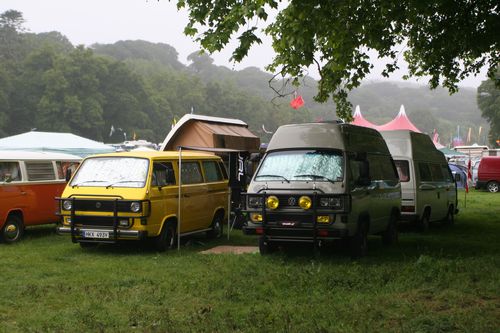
[97, 205]
[292, 201]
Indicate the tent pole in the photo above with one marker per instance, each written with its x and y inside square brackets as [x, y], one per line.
[229, 213]
[179, 202]
[229, 198]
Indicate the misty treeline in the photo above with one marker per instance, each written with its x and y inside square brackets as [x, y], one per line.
[140, 89]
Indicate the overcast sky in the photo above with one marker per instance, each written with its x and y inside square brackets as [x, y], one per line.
[108, 21]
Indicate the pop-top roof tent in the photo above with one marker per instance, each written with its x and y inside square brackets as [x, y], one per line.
[54, 142]
[360, 120]
[406, 143]
[401, 122]
[211, 132]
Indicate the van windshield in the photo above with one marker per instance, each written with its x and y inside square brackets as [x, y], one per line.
[302, 165]
[112, 172]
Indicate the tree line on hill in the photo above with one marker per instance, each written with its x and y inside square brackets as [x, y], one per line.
[141, 88]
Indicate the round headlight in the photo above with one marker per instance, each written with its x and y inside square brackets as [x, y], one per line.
[135, 206]
[305, 202]
[67, 204]
[272, 202]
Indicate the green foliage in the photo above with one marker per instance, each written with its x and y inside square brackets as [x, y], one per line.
[141, 87]
[488, 99]
[335, 36]
[445, 280]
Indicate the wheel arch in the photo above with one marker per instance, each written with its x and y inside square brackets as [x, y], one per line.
[12, 212]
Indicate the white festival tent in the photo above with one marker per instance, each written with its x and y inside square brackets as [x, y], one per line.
[54, 142]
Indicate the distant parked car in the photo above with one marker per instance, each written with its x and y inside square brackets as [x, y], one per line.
[488, 174]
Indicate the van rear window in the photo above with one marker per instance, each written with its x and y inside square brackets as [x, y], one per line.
[40, 171]
[403, 170]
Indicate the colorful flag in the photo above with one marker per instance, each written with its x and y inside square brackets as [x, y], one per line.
[297, 102]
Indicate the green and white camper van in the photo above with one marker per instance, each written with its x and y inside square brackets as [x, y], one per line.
[428, 189]
[323, 181]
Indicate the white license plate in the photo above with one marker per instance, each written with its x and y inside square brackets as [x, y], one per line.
[96, 234]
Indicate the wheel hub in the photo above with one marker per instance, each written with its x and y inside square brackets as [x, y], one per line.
[11, 231]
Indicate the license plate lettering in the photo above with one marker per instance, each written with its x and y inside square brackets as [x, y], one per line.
[95, 234]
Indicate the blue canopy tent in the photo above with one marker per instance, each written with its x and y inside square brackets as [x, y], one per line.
[54, 142]
[462, 171]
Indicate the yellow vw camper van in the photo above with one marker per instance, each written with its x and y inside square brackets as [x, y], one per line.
[134, 195]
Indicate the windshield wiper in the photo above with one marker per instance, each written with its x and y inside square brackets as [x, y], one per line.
[88, 181]
[314, 177]
[278, 176]
[123, 181]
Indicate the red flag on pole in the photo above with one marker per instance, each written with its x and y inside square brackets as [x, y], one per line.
[297, 102]
[469, 177]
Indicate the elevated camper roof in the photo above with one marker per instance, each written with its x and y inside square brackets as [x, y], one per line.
[328, 135]
[211, 132]
[405, 143]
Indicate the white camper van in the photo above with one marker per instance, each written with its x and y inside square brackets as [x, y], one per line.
[323, 181]
[428, 190]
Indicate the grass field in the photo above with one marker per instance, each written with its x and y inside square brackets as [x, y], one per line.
[445, 281]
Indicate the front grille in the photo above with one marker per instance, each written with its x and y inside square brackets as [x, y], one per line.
[102, 221]
[289, 201]
[101, 205]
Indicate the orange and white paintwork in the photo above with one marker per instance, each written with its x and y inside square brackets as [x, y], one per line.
[33, 200]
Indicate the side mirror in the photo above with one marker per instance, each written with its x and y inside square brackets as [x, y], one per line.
[67, 176]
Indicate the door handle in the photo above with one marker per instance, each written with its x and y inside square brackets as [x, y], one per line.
[23, 193]
[186, 195]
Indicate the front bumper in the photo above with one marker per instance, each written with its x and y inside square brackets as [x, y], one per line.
[294, 234]
[78, 234]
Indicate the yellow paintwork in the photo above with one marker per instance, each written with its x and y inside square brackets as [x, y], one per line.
[199, 202]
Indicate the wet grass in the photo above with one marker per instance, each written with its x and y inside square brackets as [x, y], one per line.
[444, 281]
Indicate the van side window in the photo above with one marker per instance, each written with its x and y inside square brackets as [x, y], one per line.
[354, 166]
[191, 173]
[40, 171]
[10, 172]
[403, 168]
[436, 173]
[425, 172]
[63, 167]
[163, 174]
[447, 173]
[223, 169]
[212, 171]
[376, 167]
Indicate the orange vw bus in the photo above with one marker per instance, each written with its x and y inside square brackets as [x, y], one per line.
[29, 181]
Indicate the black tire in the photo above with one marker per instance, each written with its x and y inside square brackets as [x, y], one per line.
[450, 217]
[390, 235]
[265, 246]
[13, 229]
[167, 239]
[217, 227]
[359, 242]
[492, 187]
[425, 222]
[87, 245]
